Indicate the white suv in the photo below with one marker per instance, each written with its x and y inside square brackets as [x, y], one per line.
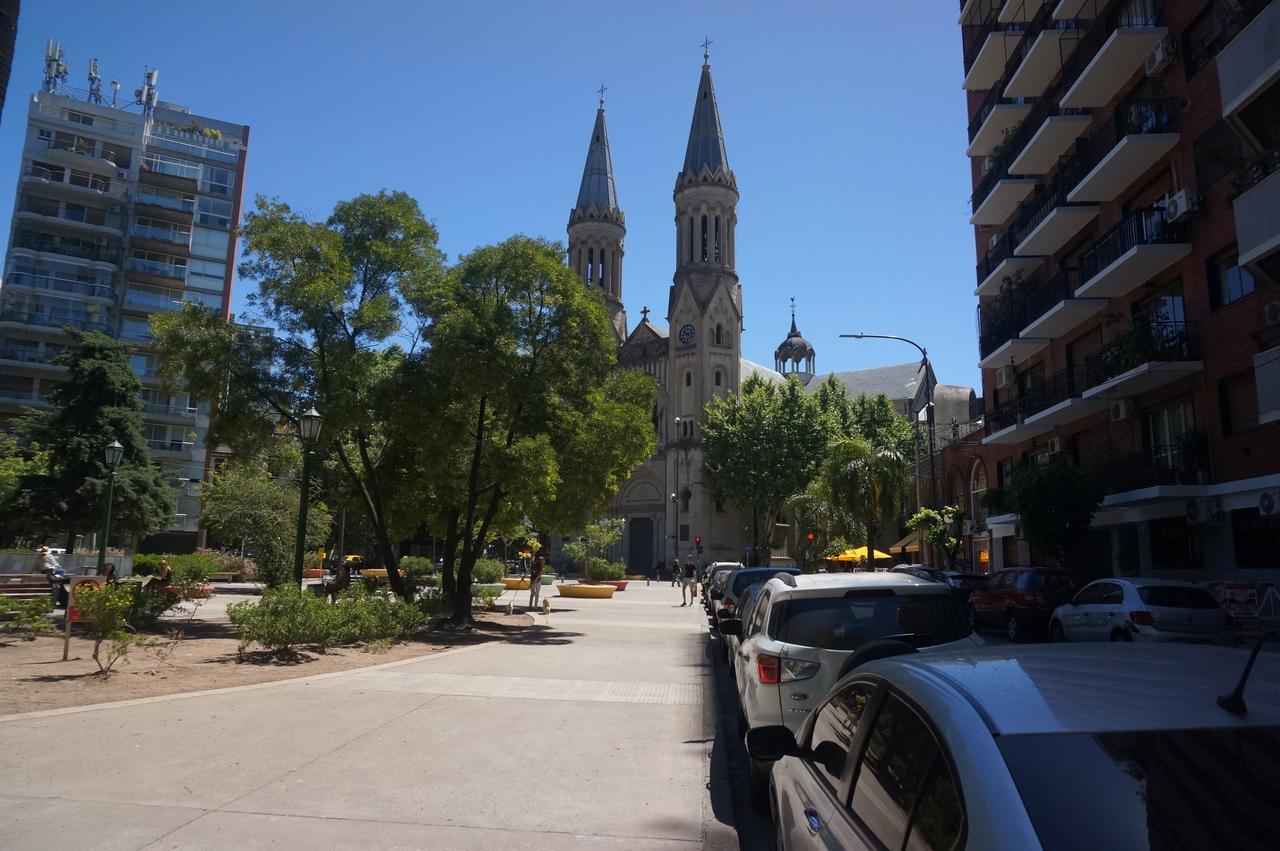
[804, 632]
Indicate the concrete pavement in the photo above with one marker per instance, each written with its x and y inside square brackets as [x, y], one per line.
[592, 730]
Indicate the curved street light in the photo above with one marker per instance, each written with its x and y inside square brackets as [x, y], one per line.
[309, 431]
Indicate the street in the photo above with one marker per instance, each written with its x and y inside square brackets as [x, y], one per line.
[597, 728]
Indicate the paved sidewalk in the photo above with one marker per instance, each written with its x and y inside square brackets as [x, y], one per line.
[590, 732]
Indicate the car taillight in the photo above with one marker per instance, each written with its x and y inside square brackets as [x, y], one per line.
[1142, 618]
[768, 666]
[730, 604]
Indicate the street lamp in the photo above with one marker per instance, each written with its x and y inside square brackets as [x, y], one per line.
[928, 404]
[114, 454]
[309, 431]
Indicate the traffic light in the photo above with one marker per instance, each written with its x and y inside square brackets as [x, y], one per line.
[809, 537]
[697, 542]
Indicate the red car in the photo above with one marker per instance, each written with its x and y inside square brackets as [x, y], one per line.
[1020, 600]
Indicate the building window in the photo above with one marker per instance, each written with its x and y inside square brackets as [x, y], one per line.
[717, 242]
[206, 273]
[1174, 544]
[719, 333]
[704, 239]
[1256, 538]
[688, 379]
[591, 263]
[217, 181]
[214, 213]
[1238, 403]
[79, 118]
[978, 493]
[685, 496]
[684, 531]
[1217, 153]
[717, 378]
[1228, 281]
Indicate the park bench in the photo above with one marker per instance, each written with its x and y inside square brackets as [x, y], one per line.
[24, 586]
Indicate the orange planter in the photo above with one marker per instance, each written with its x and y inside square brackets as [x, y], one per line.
[598, 592]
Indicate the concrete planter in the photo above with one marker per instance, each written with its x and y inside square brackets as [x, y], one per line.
[620, 584]
[515, 583]
[597, 592]
[548, 579]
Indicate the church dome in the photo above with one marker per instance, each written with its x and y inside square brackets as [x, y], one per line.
[794, 351]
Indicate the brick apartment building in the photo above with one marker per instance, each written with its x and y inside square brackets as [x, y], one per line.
[1126, 212]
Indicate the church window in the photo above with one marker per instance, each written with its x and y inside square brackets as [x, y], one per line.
[717, 242]
[591, 263]
[691, 239]
[718, 378]
[685, 496]
[704, 239]
[688, 379]
[719, 334]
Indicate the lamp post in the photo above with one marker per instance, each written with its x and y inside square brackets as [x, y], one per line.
[308, 430]
[928, 390]
[113, 453]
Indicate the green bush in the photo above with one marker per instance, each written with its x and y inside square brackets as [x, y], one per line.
[149, 603]
[418, 572]
[26, 617]
[361, 616]
[286, 618]
[599, 570]
[199, 565]
[107, 607]
[488, 570]
[486, 594]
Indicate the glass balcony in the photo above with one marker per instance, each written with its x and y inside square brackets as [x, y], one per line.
[78, 179]
[54, 319]
[1142, 245]
[160, 165]
[156, 268]
[169, 202]
[29, 281]
[27, 354]
[66, 247]
[167, 235]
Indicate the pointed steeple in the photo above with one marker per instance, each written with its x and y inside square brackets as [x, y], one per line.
[597, 188]
[706, 139]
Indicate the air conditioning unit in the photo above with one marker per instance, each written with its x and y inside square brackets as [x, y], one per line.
[1055, 445]
[1122, 409]
[1179, 205]
[1269, 503]
[1271, 313]
[1043, 458]
[1204, 509]
[1005, 376]
[1161, 57]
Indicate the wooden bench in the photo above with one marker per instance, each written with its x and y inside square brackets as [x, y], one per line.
[24, 586]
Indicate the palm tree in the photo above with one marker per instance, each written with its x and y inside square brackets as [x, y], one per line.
[867, 484]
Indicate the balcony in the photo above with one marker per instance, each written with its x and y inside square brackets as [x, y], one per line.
[163, 238]
[1000, 265]
[53, 319]
[147, 302]
[182, 204]
[1053, 136]
[1247, 64]
[80, 181]
[1163, 471]
[85, 153]
[167, 172]
[47, 211]
[995, 118]
[1019, 11]
[987, 52]
[1149, 354]
[1257, 209]
[1043, 57]
[152, 271]
[1048, 222]
[1133, 35]
[11, 396]
[1126, 147]
[66, 247]
[998, 195]
[1040, 407]
[1051, 308]
[46, 283]
[156, 409]
[171, 448]
[29, 356]
[1013, 350]
[1141, 246]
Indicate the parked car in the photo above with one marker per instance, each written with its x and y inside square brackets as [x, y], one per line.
[714, 586]
[924, 571]
[736, 585]
[1142, 610]
[1020, 600]
[733, 642]
[964, 583]
[1015, 747]
[806, 630]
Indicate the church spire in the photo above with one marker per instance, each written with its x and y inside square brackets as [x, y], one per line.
[597, 188]
[706, 139]
[597, 227]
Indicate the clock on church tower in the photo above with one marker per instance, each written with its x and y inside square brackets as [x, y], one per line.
[687, 333]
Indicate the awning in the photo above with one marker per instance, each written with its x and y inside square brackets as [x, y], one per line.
[860, 554]
[909, 544]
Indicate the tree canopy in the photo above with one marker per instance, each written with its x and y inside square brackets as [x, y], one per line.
[1055, 504]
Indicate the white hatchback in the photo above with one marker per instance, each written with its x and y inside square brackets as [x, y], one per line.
[804, 632]
[1142, 610]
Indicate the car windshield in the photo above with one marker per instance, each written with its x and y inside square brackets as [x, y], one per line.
[744, 579]
[1158, 789]
[845, 623]
[1056, 585]
[1177, 597]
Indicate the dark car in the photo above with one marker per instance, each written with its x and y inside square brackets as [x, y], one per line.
[1020, 599]
[964, 583]
[923, 571]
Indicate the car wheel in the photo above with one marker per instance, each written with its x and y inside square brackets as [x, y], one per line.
[1056, 633]
[1013, 628]
[758, 782]
[975, 622]
[1121, 635]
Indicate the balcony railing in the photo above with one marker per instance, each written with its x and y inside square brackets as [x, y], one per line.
[1183, 463]
[1149, 226]
[68, 248]
[1145, 341]
[1000, 322]
[9, 394]
[996, 254]
[162, 166]
[30, 281]
[1258, 170]
[155, 267]
[1037, 209]
[153, 300]
[54, 319]
[1131, 118]
[68, 213]
[160, 234]
[168, 410]
[1033, 396]
[71, 177]
[155, 199]
[1205, 45]
[978, 37]
[27, 354]
[161, 445]
[1038, 299]
[993, 99]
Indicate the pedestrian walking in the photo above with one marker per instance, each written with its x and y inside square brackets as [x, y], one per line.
[535, 580]
[689, 582]
[675, 572]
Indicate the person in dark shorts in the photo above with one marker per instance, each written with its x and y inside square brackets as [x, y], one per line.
[689, 582]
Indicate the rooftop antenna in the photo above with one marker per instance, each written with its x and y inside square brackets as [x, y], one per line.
[115, 91]
[95, 83]
[147, 94]
[1234, 702]
[55, 69]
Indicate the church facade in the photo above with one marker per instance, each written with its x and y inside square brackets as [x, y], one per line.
[667, 508]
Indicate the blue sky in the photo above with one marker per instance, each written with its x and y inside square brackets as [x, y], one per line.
[844, 123]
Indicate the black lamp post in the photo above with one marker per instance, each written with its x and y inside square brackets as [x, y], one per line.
[308, 430]
[113, 453]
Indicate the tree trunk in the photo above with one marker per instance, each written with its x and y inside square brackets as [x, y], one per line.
[449, 582]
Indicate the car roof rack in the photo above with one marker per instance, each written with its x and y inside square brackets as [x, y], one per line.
[787, 578]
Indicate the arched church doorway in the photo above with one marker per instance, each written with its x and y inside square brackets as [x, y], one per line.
[640, 554]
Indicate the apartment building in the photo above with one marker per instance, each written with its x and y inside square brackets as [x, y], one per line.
[123, 208]
[1126, 212]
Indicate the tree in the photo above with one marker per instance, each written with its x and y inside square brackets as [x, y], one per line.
[940, 530]
[98, 402]
[1055, 504]
[531, 419]
[244, 505]
[596, 539]
[760, 447]
[343, 301]
[16, 464]
[867, 483]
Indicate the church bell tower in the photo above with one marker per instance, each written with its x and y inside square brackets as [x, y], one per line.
[597, 227]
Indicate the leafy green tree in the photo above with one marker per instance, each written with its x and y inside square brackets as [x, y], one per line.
[531, 419]
[97, 403]
[243, 505]
[1055, 504]
[760, 447]
[867, 483]
[940, 530]
[343, 300]
[17, 462]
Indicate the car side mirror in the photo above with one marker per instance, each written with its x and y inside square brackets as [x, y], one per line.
[770, 744]
[831, 757]
[716, 595]
[724, 614]
[732, 627]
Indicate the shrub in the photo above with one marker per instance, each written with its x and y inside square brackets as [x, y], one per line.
[27, 616]
[281, 620]
[488, 570]
[599, 570]
[487, 594]
[361, 616]
[198, 565]
[107, 606]
[418, 572]
[149, 603]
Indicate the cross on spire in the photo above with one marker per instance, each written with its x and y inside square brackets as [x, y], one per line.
[706, 49]
[644, 313]
[603, 88]
[793, 307]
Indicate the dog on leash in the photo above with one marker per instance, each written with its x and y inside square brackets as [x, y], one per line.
[546, 606]
[510, 607]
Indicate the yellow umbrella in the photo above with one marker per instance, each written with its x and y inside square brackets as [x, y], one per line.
[860, 554]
